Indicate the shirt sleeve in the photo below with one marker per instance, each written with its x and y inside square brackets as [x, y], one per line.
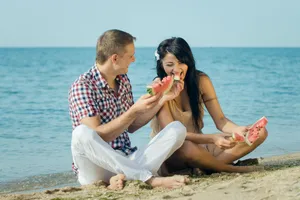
[83, 102]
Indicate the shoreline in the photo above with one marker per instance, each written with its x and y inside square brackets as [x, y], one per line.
[279, 180]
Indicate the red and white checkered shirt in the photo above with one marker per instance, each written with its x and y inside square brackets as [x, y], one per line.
[91, 96]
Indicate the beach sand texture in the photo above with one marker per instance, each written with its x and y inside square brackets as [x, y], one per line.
[279, 180]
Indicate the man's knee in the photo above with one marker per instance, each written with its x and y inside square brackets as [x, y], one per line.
[82, 133]
[178, 131]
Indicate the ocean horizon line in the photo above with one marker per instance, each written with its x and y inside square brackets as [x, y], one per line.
[68, 47]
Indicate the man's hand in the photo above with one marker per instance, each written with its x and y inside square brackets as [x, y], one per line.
[146, 103]
[223, 141]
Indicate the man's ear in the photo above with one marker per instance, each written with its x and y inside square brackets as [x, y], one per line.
[114, 58]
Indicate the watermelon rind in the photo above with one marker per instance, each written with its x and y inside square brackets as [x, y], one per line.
[247, 140]
[176, 78]
[150, 90]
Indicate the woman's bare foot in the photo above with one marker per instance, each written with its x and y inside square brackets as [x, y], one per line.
[256, 168]
[116, 182]
[197, 171]
[168, 182]
[243, 169]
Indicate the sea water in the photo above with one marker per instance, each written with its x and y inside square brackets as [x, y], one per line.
[35, 128]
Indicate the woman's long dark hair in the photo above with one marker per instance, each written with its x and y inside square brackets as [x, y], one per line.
[182, 51]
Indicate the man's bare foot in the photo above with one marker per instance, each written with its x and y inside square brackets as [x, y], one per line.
[116, 182]
[168, 182]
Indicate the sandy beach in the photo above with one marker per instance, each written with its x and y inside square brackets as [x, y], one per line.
[280, 179]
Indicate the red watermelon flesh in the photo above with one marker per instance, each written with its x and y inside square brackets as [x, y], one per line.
[253, 133]
[164, 87]
[238, 138]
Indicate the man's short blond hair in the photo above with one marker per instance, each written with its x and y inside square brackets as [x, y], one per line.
[112, 42]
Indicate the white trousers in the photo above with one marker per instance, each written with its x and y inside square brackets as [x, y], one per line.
[97, 160]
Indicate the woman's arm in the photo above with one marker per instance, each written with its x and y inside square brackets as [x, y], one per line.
[213, 107]
[164, 117]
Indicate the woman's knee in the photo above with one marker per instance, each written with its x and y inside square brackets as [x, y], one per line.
[177, 131]
[263, 134]
[188, 150]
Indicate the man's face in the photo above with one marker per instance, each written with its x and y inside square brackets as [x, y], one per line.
[126, 59]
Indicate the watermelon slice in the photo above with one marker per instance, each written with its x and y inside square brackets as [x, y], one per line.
[177, 75]
[164, 87]
[253, 133]
[238, 137]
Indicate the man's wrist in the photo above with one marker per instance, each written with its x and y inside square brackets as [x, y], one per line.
[132, 112]
[162, 101]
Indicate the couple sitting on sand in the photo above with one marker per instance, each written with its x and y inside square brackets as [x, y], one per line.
[103, 112]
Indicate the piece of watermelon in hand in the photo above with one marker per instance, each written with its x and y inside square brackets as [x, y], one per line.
[164, 87]
[176, 75]
[238, 137]
[253, 132]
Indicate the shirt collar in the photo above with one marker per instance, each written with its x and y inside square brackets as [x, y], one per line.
[100, 80]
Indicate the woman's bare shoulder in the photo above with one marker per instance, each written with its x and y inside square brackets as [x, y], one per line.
[203, 78]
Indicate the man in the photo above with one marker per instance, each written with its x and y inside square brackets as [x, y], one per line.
[103, 112]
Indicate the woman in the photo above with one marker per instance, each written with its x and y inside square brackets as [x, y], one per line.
[209, 152]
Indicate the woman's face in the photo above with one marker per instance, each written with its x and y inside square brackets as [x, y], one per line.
[172, 66]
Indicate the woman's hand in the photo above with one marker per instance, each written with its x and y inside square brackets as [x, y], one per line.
[242, 130]
[177, 87]
[223, 141]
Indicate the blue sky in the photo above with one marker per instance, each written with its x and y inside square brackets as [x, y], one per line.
[200, 22]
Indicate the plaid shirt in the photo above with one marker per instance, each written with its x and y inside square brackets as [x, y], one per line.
[91, 96]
